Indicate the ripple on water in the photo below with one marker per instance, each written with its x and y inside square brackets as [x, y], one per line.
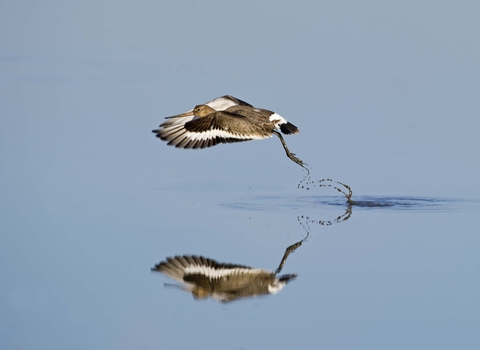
[273, 203]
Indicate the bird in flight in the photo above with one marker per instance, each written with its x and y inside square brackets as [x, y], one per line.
[225, 119]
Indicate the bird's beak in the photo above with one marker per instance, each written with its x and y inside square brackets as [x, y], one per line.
[186, 114]
[178, 286]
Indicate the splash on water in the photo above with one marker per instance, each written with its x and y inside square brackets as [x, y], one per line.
[307, 183]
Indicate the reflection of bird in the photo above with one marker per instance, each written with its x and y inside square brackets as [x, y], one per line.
[224, 282]
[224, 120]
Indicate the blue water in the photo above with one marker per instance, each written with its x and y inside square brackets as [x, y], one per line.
[386, 99]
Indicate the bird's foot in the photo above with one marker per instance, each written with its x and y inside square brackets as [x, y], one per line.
[298, 161]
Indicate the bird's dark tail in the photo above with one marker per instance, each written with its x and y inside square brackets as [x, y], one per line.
[288, 128]
[287, 278]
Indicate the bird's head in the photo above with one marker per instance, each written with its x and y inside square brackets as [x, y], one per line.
[203, 110]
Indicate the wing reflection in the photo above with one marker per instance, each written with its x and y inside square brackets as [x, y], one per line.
[225, 282]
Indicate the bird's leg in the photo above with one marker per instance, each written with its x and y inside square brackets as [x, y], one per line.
[290, 154]
[289, 250]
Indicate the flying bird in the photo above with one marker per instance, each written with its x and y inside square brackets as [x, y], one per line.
[225, 119]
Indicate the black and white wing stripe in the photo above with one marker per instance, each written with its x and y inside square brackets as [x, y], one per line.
[218, 127]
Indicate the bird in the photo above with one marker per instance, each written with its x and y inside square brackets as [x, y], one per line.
[204, 278]
[225, 119]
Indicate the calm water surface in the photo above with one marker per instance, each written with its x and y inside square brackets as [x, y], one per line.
[388, 271]
[386, 98]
